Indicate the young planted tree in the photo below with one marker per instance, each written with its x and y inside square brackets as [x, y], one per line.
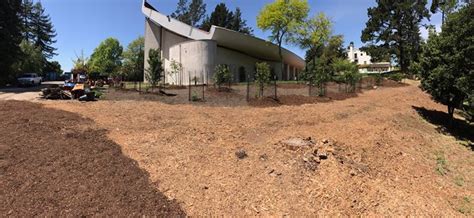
[154, 73]
[447, 61]
[282, 18]
[313, 35]
[319, 69]
[222, 75]
[262, 76]
[348, 72]
[176, 68]
[133, 60]
[107, 57]
[394, 26]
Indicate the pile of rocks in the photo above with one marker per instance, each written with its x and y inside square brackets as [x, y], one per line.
[320, 152]
[315, 151]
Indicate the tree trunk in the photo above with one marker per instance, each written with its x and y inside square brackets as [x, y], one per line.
[451, 114]
[282, 65]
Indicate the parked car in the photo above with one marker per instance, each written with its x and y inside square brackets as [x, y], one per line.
[29, 79]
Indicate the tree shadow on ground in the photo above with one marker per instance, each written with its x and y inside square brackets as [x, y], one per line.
[65, 166]
[460, 129]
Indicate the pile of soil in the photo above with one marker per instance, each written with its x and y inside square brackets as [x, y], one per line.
[55, 163]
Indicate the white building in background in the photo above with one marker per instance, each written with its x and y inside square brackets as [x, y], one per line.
[199, 51]
[364, 61]
[358, 56]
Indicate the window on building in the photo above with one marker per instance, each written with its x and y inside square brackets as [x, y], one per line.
[355, 55]
[365, 62]
[361, 54]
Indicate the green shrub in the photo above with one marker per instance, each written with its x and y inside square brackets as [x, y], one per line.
[398, 77]
[378, 79]
[222, 75]
[348, 72]
[195, 97]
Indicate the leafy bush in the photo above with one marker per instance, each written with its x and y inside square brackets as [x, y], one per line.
[398, 77]
[195, 97]
[348, 72]
[222, 75]
[262, 76]
[378, 78]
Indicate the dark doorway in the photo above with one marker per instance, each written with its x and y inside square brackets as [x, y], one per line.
[242, 74]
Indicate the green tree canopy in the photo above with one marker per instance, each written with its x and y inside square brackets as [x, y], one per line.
[394, 25]
[348, 72]
[447, 61]
[133, 60]
[282, 18]
[52, 67]
[313, 35]
[32, 60]
[223, 17]
[38, 28]
[107, 57]
[10, 38]
[190, 13]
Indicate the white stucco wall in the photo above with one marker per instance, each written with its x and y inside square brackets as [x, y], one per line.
[361, 57]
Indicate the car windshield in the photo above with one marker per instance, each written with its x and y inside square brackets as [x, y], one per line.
[27, 75]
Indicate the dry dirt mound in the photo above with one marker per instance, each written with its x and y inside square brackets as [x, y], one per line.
[384, 157]
[52, 163]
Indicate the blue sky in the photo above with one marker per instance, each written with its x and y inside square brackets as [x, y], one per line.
[82, 24]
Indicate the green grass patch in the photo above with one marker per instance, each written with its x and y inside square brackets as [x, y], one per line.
[466, 206]
[459, 181]
[441, 164]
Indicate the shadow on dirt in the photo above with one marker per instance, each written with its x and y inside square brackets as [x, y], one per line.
[460, 129]
[56, 163]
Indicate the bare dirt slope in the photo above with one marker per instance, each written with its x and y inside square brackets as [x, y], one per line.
[386, 159]
[56, 163]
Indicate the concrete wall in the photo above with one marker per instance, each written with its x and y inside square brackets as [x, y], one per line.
[152, 39]
[157, 37]
[197, 60]
[235, 60]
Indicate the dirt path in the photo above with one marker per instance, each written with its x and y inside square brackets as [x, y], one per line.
[56, 163]
[25, 93]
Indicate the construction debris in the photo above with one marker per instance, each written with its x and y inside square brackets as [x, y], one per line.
[55, 93]
[65, 92]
